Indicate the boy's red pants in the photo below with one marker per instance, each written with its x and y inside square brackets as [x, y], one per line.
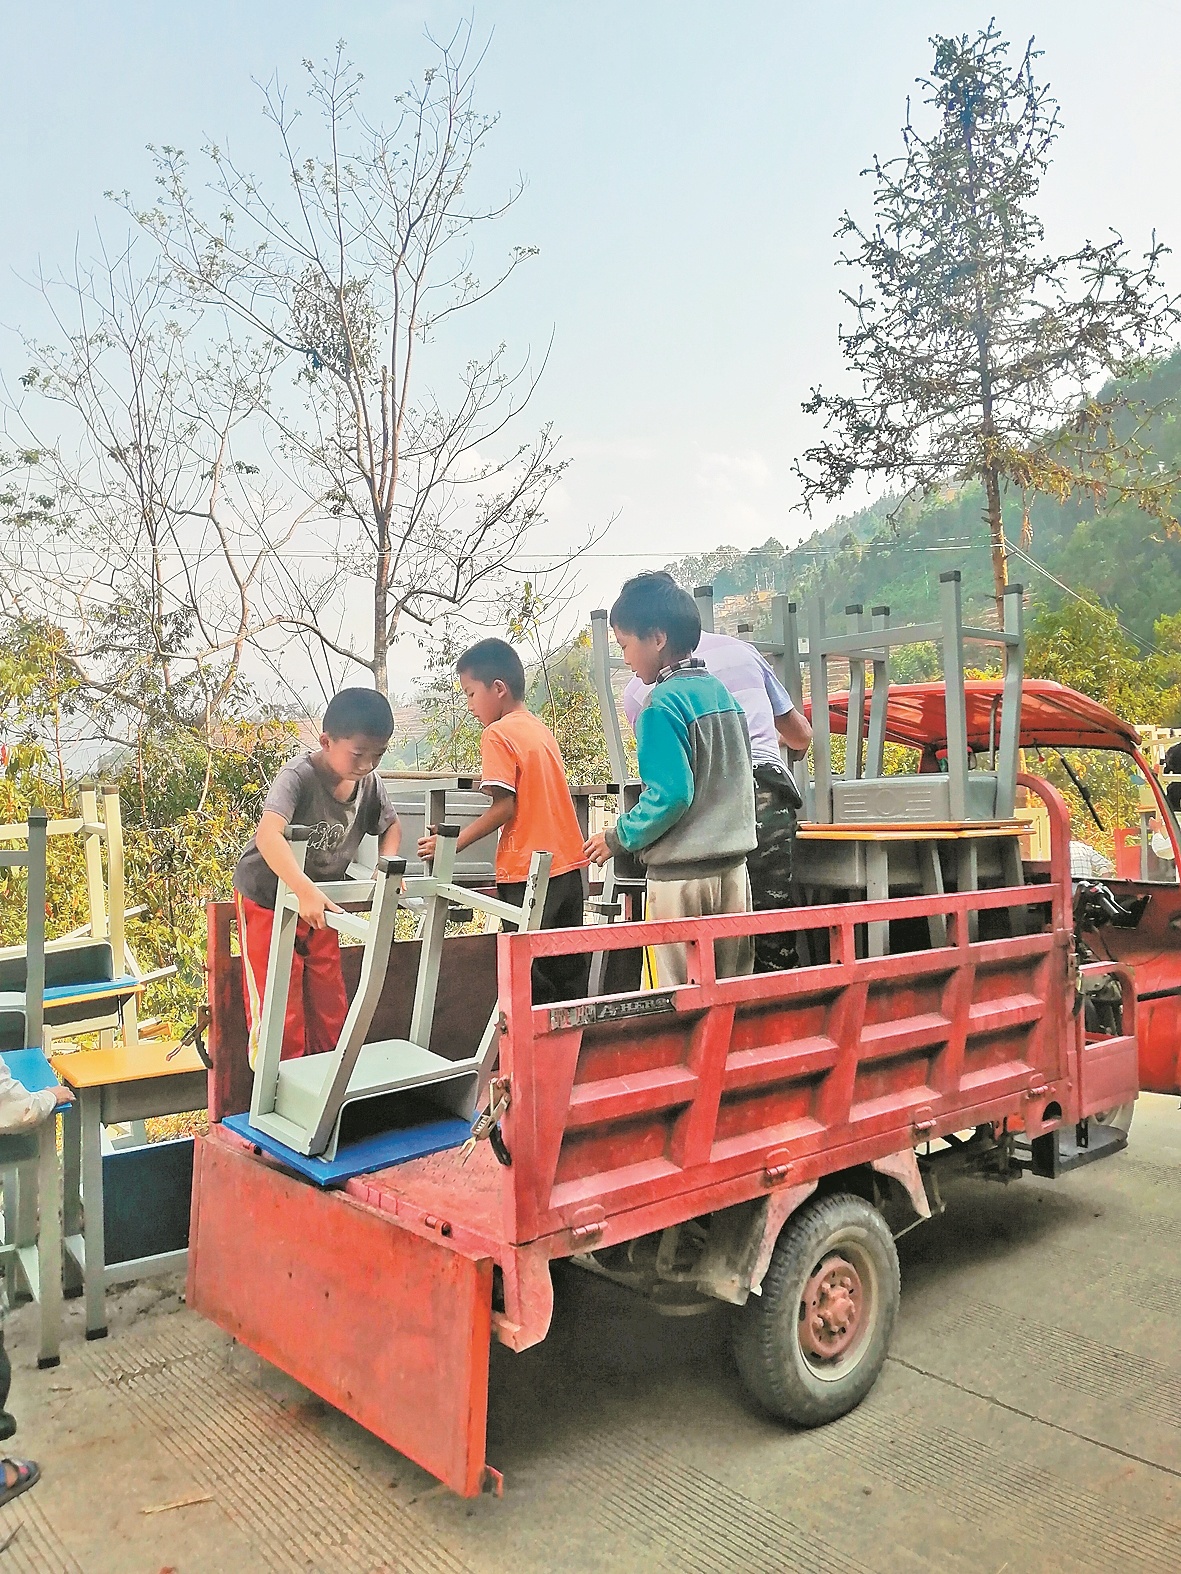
[316, 1005]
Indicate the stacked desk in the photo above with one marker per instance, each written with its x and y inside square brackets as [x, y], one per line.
[880, 861]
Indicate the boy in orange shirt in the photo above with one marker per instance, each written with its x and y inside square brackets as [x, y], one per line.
[522, 772]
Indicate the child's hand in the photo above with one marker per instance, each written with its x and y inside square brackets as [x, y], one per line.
[426, 847]
[64, 1096]
[313, 904]
[596, 849]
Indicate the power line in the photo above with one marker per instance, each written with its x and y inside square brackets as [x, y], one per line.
[953, 544]
[1087, 601]
[665, 553]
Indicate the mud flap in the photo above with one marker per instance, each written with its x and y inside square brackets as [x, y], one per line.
[1109, 1074]
[392, 1329]
[1057, 1152]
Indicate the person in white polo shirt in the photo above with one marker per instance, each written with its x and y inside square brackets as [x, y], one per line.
[772, 722]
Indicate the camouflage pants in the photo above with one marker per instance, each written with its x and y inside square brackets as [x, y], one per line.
[770, 869]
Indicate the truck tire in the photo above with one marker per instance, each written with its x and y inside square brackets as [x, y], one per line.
[1119, 1118]
[810, 1347]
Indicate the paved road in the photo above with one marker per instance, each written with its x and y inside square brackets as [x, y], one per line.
[1029, 1419]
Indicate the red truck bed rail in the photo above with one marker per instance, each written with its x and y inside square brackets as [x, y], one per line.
[622, 1115]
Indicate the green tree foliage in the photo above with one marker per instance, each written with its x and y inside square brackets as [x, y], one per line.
[562, 693]
[187, 816]
[561, 687]
[27, 781]
[451, 737]
[894, 552]
[188, 810]
[977, 351]
[1082, 646]
[39, 690]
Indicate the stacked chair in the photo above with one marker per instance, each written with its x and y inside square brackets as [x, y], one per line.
[92, 980]
[364, 1104]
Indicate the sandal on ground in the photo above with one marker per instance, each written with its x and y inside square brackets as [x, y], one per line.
[28, 1473]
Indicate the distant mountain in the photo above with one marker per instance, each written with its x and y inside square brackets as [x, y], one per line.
[1120, 557]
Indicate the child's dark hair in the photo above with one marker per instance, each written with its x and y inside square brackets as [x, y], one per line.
[357, 713]
[490, 659]
[655, 602]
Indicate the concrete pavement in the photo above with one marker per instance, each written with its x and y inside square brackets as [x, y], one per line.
[1029, 1419]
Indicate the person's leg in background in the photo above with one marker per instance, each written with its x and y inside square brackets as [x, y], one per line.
[254, 941]
[668, 899]
[324, 1001]
[770, 870]
[16, 1475]
[555, 977]
[705, 898]
[562, 977]
[7, 1421]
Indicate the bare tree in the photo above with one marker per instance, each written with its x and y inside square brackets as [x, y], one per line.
[140, 528]
[347, 271]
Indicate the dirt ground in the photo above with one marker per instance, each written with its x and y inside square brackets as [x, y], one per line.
[1029, 1418]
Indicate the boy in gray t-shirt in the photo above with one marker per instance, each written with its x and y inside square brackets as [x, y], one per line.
[337, 791]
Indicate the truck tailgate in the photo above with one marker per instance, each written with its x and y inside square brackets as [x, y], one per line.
[389, 1327]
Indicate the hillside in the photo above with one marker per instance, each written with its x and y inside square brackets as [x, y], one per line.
[1120, 557]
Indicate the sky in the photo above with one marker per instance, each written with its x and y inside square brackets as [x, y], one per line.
[685, 166]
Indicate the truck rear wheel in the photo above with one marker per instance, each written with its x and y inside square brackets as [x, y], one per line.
[1119, 1118]
[810, 1347]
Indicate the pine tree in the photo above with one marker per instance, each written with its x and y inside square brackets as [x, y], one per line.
[979, 353]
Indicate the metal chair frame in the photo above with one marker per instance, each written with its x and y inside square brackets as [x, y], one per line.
[300, 1102]
[870, 645]
[99, 824]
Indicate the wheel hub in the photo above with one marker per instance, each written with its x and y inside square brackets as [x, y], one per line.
[830, 1309]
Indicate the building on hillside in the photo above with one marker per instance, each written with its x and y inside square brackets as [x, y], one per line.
[753, 608]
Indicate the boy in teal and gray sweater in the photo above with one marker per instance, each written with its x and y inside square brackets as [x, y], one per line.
[694, 822]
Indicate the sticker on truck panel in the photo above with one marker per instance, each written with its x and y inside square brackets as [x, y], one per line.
[588, 1011]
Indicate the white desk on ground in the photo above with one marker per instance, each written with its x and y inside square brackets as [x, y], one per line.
[115, 1085]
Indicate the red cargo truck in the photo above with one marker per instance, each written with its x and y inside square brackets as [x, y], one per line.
[756, 1140]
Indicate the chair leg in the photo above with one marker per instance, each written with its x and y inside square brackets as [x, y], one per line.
[26, 1207]
[94, 1274]
[49, 1245]
[71, 1193]
[968, 880]
[877, 889]
[1014, 875]
[598, 968]
[932, 870]
[11, 1191]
